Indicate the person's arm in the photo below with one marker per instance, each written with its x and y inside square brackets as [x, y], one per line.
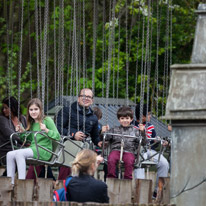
[50, 128]
[95, 134]
[65, 112]
[6, 131]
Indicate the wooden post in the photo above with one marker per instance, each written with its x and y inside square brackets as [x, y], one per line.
[163, 192]
[44, 190]
[119, 191]
[23, 190]
[2, 169]
[143, 194]
[5, 190]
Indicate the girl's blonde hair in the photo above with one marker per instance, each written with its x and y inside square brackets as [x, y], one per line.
[30, 120]
[83, 161]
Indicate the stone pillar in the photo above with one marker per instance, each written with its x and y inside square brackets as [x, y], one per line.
[186, 107]
[199, 48]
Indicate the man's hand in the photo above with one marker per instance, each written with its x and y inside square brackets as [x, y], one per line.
[79, 136]
[100, 144]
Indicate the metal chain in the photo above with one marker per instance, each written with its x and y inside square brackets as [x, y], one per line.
[44, 54]
[9, 76]
[103, 49]
[137, 61]
[76, 61]
[47, 69]
[111, 32]
[69, 59]
[84, 62]
[20, 56]
[131, 25]
[157, 62]
[29, 34]
[55, 58]
[94, 46]
[165, 75]
[117, 93]
[11, 16]
[142, 73]
[72, 75]
[149, 57]
[171, 38]
[79, 40]
[113, 65]
[84, 46]
[61, 54]
[127, 60]
[37, 47]
[167, 60]
[40, 39]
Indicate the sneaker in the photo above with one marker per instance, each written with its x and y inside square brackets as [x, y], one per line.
[154, 195]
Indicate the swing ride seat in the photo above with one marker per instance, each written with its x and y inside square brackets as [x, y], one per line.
[71, 148]
[4, 156]
[145, 161]
[121, 163]
[58, 149]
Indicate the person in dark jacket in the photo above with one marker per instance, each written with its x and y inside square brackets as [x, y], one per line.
[125, 117]
[79, 123]
[9, 121]
[83, 187]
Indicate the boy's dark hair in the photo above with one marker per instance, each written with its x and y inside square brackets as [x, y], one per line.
[125, 111]
[98, 112]
[145, 110]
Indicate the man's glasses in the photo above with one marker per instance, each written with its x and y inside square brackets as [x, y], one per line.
[86, 97]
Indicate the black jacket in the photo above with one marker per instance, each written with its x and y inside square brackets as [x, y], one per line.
[87, 189]
[91, 122]
[6, 129]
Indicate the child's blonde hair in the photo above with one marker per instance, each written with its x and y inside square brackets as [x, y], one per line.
[83, 162]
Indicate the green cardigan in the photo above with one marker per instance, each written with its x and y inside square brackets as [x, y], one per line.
[42, 140]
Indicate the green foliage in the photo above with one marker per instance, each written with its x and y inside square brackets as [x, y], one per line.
[183, 27]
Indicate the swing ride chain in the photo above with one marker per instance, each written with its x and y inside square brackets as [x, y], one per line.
[20, 57]
[55, 68]
[127, 59]
[117, 93]
[37, 47]
[94, 46]
[29, 35]
[84, 60]
[136, 71]
[165, 80]
[72, 77]
[44, 54]
[148, 58]
[103, 48]
[61, 54]
[9, 75]
[157, 61]
[111, 32]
